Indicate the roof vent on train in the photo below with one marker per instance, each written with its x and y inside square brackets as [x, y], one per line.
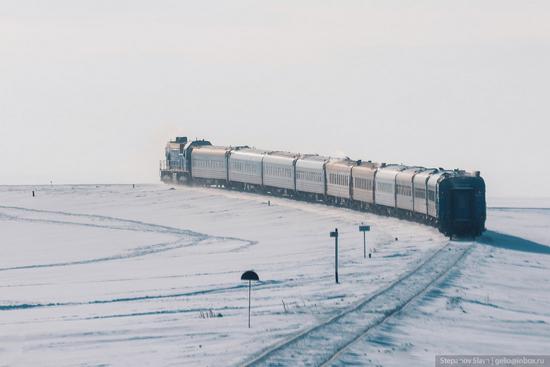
[181, 139]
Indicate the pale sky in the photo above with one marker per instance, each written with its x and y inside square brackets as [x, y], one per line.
[90, 91]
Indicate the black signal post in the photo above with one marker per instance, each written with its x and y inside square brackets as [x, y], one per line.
[335, 235]
[250, 276]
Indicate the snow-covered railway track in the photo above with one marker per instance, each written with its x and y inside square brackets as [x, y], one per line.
[321, 344]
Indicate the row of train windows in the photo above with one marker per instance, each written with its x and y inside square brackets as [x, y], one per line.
[309, 176]
[335, 178]
[403, 190]
[362, 183]
[384, 187]
[207, 163]
[244, 166]
[272, 170]
[419, 193]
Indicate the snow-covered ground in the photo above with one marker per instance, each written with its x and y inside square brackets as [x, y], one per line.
[495, 302]
[114, 275]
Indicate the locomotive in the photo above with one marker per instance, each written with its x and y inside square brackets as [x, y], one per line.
[451, 200]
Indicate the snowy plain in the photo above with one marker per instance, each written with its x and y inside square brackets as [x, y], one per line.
[115, 275]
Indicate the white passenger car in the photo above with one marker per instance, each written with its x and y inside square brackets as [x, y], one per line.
[363, 181]
[209, 162]
[245, 166]
[420, 190]
[310, 174]
[404, 187]
[339, 178]
[385, 185]
[279, 170]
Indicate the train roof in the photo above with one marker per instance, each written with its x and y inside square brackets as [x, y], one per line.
[249, 154]
[211, 147]
[314, 157]
[312, 161]
[367, 164]
[280, 153]
[347, 162]
[392, 167]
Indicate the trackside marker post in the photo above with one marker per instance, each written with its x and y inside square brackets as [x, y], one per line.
[363, 228]
[335, 235]
[249, 275]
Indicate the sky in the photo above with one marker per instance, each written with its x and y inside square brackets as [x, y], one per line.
[90, 91]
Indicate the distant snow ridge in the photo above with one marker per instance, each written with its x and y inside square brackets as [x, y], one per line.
[322, 343]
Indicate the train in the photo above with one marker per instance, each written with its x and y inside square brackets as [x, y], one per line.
[453, 201]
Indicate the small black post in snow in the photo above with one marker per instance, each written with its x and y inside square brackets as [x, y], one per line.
[364, 228]
[249, 275]
[335, 235]
[32, 193]
[133, 186]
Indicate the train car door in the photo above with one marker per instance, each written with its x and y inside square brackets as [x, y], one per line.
[462, 208]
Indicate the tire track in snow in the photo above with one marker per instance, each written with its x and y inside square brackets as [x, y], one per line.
[136, 252]
[320, 344]
[124, 224]
[200, 292]
[186, 237]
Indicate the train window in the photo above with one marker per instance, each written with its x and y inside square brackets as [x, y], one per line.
[363, 183]
[384, 187]
[403, 190]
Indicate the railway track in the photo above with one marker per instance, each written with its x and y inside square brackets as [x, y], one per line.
[321, 344]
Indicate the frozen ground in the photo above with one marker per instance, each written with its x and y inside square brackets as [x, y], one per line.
[495, 302]
[115, 275]
[94, 275]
